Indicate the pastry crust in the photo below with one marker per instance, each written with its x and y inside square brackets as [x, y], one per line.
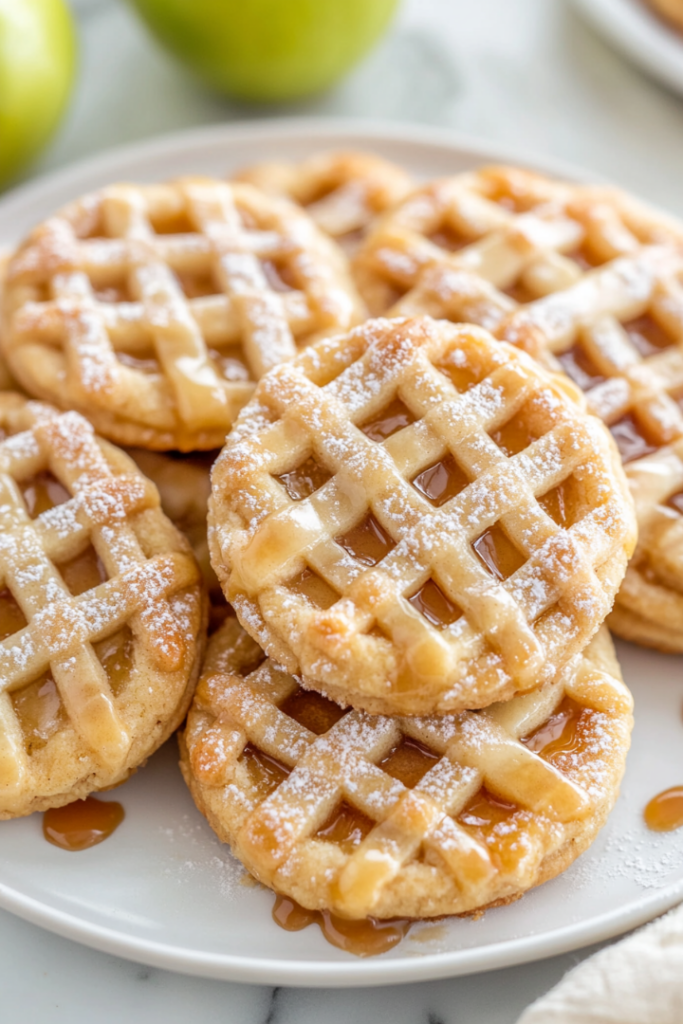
[590, 283]
[382, 592]
[102, 612]
[152, 310]
[344, 192]
[495, 811]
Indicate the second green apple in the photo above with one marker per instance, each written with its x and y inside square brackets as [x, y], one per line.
[268, 50]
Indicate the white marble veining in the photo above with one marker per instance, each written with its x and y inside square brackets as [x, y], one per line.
[524, 72]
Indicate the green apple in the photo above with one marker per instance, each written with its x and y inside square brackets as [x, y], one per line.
[268, 50]
[37, 58]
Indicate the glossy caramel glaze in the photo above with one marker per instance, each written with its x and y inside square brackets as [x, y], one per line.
[393, 417]
[305, 480]
[367, 542]
[498, 553]
[431, 602]
[664, 813]
[367, 937]
[82, 824]
[441, 482]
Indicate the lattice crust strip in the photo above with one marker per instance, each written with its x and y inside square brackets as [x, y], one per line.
[605, 306]
[344, 192]
[369, 643]
[149, 587]
[504, 798]
[153, 309]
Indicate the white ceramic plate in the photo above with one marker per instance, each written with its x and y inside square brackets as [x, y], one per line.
[162, 890]
[643, 37]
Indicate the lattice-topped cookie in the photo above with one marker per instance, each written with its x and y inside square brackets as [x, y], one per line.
[102, 613]
[618, 333]
[343, 192]
[153, 309]
[606, 307]
[417, 518]
[368, 815]
[524, 234]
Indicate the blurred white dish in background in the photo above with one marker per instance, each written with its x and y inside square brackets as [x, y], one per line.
[634, 28]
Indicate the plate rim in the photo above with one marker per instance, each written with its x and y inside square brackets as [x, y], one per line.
[640, 35]
[319, 132]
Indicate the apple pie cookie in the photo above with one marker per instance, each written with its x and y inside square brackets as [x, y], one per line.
[102, 612]
[153, 309]
[524, 234]
[416, 518]
[609, 314]
[343, 192]
[403, 817]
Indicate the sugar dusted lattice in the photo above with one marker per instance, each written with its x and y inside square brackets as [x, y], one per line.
[417, 518]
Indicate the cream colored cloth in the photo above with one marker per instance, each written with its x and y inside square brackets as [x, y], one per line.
[637, 981]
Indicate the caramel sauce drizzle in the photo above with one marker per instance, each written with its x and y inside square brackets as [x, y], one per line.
[310, 709]
[498, 554]
[646, 335]
[431, 602]
[578, 365]
[561, 734]
[556, 504]
[82, 824]
[514, 436]
[520, 293]
[40, 711]
[304, 481]
[314, 588]
[368, 542]
[409, 762]
[346, 827]
[441, 482]
[265, 772]
[630, 439]
[394, 417]
[115, 654]
[367, 937]
[664, 813]
[12, 619]
[585, 258]
[447, 238]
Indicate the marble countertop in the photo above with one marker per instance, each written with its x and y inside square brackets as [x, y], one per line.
[528, 73]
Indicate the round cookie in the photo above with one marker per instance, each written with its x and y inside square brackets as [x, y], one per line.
[416, 518]
[591, 283]
[153, 309]
[403, 817]
[102, 612]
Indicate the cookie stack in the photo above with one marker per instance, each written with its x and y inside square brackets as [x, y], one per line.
[419, 519]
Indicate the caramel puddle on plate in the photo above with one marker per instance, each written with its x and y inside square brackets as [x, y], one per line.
[367, 937]
[664, 813]
[82, 824]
